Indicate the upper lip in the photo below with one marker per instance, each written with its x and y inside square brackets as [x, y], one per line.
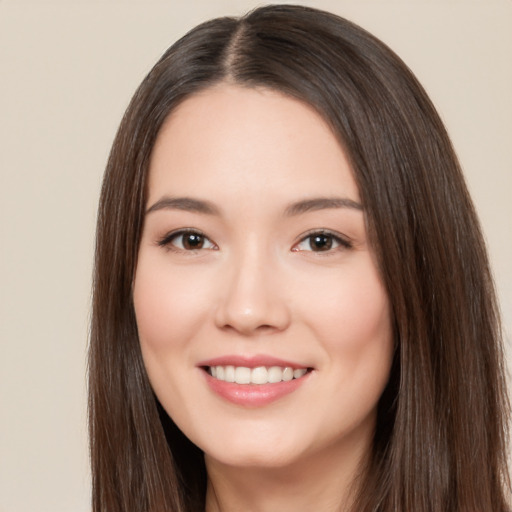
[250, 361]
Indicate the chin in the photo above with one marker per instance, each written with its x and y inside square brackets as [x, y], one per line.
[255, 458]
[250, 450]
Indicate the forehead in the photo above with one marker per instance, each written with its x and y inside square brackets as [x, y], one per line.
[254, 140]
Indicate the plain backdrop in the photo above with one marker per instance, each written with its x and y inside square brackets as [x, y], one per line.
[67, 71]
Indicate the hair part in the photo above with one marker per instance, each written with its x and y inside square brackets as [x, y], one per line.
[440, 442]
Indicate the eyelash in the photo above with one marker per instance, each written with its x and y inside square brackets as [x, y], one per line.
[167, 241]
[342, 243]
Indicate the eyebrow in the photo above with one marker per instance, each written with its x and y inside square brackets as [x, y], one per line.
[321, 203]
[184, 203]
[206, 207]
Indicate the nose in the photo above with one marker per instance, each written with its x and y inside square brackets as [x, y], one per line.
[253, 298]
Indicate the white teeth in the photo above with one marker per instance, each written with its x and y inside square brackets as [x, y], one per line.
[258, 375]
[229, 374]
[287, 373]
[242, 375]
[275, 374]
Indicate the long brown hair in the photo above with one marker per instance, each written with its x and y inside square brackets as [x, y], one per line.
[440, 441]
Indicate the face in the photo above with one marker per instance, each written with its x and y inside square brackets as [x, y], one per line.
[263, 323]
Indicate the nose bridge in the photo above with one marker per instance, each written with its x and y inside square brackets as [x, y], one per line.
[252, 300]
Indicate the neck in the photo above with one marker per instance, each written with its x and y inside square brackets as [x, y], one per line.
[326, 482]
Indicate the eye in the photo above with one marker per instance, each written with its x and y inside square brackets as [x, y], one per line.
[187, 240]
[321, 241]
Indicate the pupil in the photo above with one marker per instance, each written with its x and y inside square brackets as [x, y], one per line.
[193, 241]
[321, 242]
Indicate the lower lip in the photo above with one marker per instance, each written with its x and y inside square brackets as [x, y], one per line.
[253, 395]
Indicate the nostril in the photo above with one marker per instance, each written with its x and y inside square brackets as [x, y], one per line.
[258, 330]
[265, 328]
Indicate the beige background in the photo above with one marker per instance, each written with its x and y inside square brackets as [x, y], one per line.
[68, 69]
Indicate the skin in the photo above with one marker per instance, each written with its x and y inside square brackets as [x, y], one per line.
[257, 284]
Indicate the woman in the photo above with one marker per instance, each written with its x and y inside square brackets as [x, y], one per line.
[292, 302]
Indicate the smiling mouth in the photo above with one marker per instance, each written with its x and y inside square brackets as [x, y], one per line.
[258, 375]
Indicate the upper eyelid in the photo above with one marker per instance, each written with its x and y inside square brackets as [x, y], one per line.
[343, 239]
[343, 243]
[335, 234]
[168, 237]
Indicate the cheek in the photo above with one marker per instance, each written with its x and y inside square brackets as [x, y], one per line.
[169, 309]
[350, 317]
[351, 307]
[363, 310]
[168, 303]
